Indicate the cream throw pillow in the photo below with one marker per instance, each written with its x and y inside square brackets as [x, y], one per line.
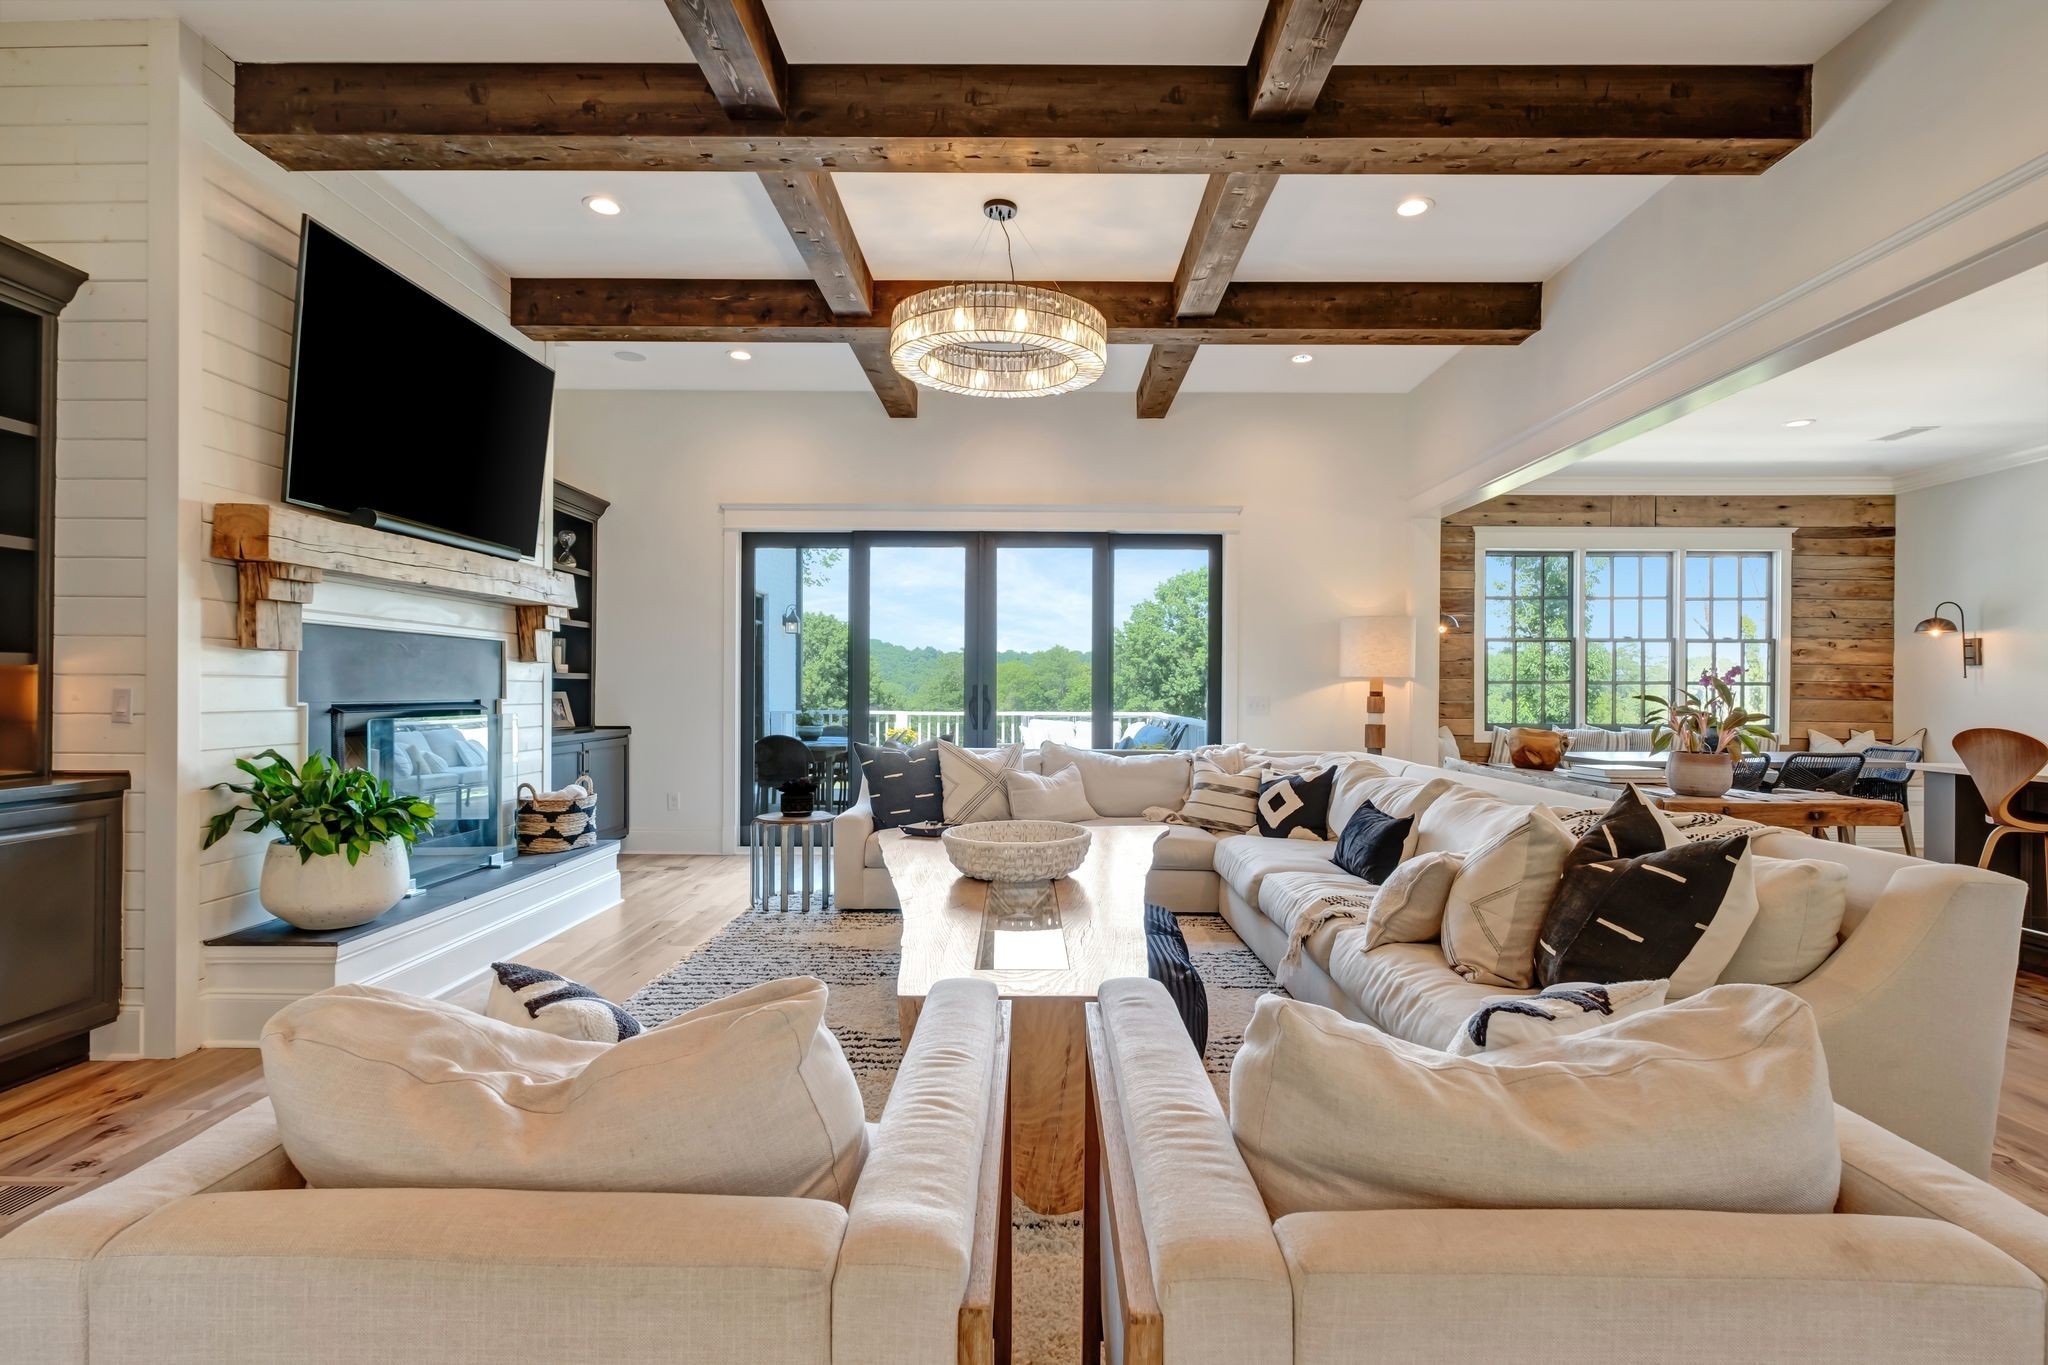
[1409, 908]
[1059, 796]
[1798, 924]
[971, 781]
[1503, 891]
[1719, 1102]
[749, 1095]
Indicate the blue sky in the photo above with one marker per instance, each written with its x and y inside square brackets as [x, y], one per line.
[1042, 593]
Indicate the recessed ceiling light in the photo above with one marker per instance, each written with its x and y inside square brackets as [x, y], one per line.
[602, 203]
[1414, 206]
[633, 356]
[1802, 421]
[1303, 358]
[740, 355]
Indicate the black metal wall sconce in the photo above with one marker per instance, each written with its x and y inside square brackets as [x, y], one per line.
[1937, 624]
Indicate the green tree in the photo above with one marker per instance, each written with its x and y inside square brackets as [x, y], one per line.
[1160, 661]
[823, 686]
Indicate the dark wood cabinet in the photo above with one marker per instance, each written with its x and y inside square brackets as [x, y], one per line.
[604, 752]
[60, 933]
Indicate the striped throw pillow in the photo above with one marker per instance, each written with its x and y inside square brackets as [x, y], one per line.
[1220, 802]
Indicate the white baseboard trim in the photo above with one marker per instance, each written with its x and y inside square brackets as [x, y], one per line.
[437, 954]
[120, 1041]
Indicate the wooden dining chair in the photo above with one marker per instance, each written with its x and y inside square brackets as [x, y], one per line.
[2002, 763]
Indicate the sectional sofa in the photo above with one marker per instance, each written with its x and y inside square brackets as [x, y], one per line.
[1913, 1003]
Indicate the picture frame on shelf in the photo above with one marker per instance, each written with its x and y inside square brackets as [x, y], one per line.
[564, 713]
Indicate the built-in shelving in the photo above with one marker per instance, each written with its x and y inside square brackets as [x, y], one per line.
[575, 675]
[15, 427]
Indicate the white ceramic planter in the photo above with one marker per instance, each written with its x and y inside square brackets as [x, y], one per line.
[329, 893]
[1700, 774]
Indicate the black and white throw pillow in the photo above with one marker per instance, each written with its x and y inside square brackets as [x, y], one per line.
[1168, 962]
[1677, 913]
[1694, 825]
[1370, 845]
[903, 784]
[1295, 805]
[532, 998]
[1506, 1021]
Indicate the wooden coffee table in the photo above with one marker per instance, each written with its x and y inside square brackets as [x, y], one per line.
[1090, 929]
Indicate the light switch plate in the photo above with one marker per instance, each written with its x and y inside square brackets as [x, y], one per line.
[1258, 706]
[122, 710]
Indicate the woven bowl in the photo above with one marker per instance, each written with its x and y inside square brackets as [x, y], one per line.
[1016, 850]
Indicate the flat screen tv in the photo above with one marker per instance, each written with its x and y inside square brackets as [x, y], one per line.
[407, 415]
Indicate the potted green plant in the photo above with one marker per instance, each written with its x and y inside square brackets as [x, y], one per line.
[1702, 729]
[809, 725]
[340, 858]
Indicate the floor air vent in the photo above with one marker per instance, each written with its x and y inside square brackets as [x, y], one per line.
[16, 1199]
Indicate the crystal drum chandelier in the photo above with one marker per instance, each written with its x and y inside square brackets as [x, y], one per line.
[997, 339]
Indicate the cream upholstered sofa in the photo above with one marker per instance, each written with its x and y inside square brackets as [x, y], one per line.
[1914, 1002]
[216, 1254]
[1918, 1262]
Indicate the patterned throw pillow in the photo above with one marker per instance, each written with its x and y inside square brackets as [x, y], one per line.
[1168, 962]
[1370, 846]
[1679, 913]
[1510, 1020]
[972, 781]
[1694, 825]
[532, 998]
[1219, 801]
[903, 784]
[1509, 877]
[1295, 806]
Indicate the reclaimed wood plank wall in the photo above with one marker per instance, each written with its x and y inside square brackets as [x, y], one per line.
[1841, 586]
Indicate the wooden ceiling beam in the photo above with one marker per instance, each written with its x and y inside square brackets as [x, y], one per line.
[1231, 205]
[1297, 46]
[739, 311]
[736, 53]
[1672, 120]
[741, 60]
[1165, 368]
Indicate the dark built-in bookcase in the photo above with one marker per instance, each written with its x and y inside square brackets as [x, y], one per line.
[578, 512]
[33, 288]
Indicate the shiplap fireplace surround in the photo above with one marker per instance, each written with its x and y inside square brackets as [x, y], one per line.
[445, 941]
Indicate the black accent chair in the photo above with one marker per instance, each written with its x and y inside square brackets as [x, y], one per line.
[1834, 774]
[1750, 773]
[1885, 777]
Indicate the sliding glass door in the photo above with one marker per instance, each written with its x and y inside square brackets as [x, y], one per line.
[984, 638]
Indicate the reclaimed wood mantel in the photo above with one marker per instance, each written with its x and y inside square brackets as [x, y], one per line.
[281, 554]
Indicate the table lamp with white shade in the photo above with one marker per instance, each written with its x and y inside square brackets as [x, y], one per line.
[1376, 648]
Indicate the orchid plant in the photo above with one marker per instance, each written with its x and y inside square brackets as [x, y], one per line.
[1686, 721]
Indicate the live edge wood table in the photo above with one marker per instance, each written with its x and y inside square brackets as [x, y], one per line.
[1814, 811]
[1048, 946]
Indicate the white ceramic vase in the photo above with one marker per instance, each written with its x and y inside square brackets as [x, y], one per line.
[1699, 774]
[329, 892]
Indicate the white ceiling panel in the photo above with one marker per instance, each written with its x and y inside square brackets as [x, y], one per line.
[1483, 227]
[1976, 372]
[704, 224]
[1335, 369]
[792, 367]
[1062, 32]
[1068, 227]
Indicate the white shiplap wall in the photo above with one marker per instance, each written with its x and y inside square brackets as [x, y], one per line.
[246, 264]
[75, 114]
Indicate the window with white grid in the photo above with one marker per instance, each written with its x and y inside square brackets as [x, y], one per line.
[1528, 630]
[1728, 622]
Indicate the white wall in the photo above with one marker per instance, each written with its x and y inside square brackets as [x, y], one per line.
[75, 141]
[1321, 534]
[1930, 145]
[1977, 542]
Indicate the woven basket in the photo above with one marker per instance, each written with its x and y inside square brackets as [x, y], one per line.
[555, 822]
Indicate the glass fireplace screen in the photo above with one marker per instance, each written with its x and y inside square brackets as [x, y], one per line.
[449, 755]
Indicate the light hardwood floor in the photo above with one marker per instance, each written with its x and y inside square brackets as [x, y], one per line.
[94, 1122]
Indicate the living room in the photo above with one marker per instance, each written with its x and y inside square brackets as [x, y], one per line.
[539, 456]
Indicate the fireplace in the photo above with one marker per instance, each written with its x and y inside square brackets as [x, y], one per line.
[425, 713]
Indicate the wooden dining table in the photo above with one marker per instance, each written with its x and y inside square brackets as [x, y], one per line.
[1816, 812]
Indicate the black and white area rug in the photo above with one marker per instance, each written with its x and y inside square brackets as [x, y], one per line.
[856, 955]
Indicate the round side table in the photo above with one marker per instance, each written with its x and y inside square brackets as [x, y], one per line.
[786, 851]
